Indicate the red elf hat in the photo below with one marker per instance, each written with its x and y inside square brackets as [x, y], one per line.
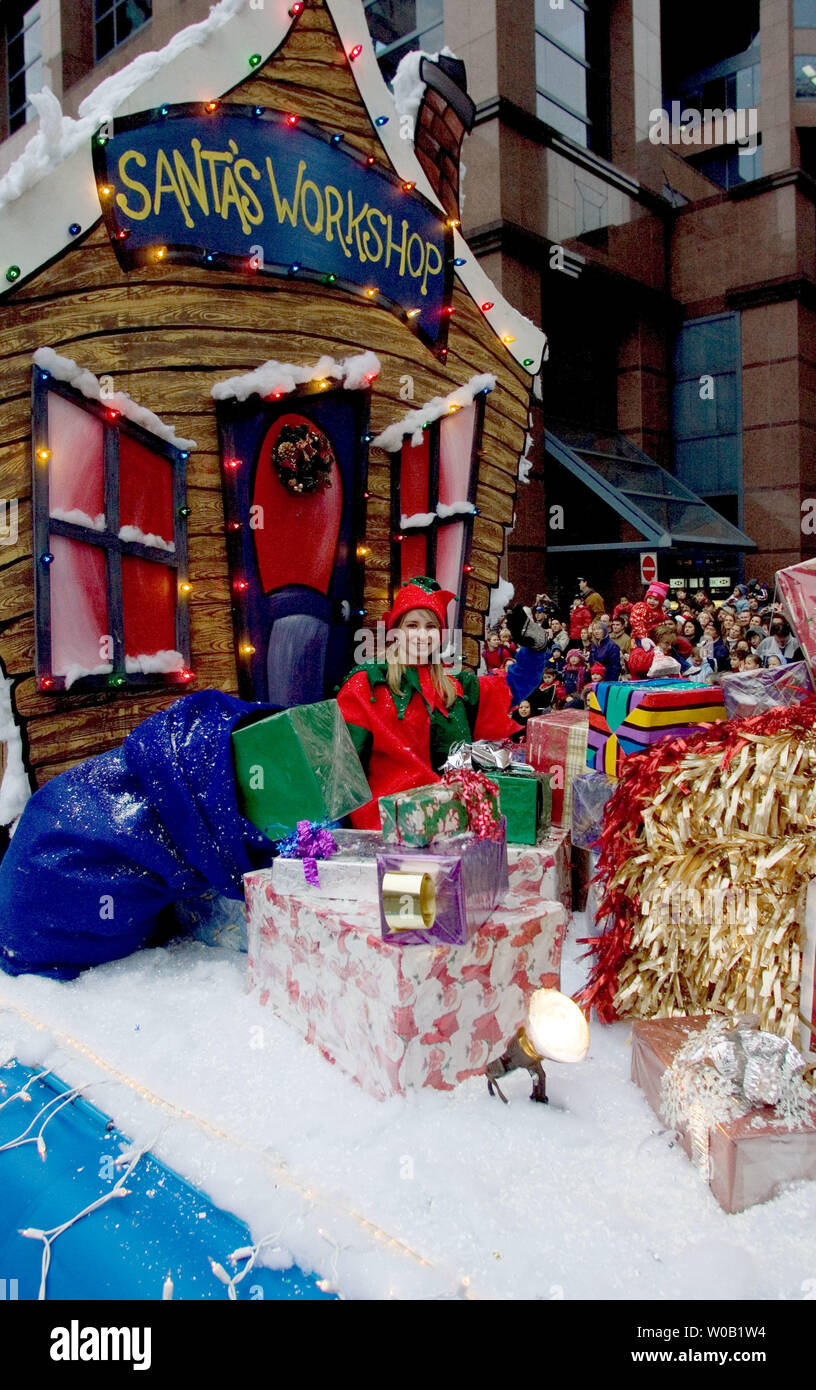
[421, 592]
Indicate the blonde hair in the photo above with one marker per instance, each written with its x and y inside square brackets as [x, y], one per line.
[441, 681]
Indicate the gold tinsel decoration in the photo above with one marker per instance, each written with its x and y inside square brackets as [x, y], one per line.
[716, 891]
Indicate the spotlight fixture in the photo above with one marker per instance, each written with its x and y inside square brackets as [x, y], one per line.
[555, 1029]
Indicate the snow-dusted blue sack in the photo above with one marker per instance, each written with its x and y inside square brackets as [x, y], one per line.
[104, 848]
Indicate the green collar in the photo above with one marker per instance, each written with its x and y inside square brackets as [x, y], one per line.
[377, 673]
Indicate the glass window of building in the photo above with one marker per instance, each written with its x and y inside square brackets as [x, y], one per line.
[804, 75]
[23, 61]
[572, 67]
[714, 67]
[116, 20]
[398, 26]
[804, 14]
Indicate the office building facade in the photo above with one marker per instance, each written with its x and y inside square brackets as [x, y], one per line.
[641, 182]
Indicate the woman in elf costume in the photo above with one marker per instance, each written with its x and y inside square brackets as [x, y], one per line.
[405, 713]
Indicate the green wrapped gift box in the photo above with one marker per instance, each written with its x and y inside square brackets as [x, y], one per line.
[526, 803]
[425, 814]
[297, 765]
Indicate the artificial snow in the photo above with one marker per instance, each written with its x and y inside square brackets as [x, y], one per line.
[14, 788]
[446, 509]
[79, 518]
[157, 663]
[525, 462]
[60, 136]
[282, 378]
[430, 1195]
[74, 672]
[64, 369]
[417, 420]
[501, 595]
[407, 85]
[443, 510]
[133, 533]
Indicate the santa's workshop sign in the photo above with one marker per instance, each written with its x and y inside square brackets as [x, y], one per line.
[247, 188]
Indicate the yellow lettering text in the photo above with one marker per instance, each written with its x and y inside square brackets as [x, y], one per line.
[121, 201]
[286, 211]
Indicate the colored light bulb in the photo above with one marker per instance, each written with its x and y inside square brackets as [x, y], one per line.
[356, 51]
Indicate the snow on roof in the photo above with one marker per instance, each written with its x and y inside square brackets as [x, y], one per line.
[59, 136]
[51, 188]
[407, 85]
[417, 420]
[281, 378]
[64, 369]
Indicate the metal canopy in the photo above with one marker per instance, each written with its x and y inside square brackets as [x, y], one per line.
[662, 509]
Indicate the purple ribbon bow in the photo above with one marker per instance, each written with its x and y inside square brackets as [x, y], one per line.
[310, 842]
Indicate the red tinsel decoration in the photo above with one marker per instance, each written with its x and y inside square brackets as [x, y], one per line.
[642, 776]
[476, 791]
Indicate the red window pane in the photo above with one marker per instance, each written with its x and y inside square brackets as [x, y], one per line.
[145, 494]
[414, 477]
[455, 453]
[450, 557]
[413, 555]
[79, 610]
[149, 609]
[76, 490]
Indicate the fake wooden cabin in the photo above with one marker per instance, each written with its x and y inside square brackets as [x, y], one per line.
[182, 508]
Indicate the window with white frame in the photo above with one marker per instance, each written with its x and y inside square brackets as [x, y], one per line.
[110, 546]
[433, 491]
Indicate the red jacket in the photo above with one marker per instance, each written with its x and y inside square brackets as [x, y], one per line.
[644, 619]
[395, 743]
[578, 618]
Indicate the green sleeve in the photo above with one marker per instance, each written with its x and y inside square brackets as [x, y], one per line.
[362, 740]
[470, 694]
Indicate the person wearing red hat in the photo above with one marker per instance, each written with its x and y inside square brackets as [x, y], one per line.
[406, 712]
[648, 613]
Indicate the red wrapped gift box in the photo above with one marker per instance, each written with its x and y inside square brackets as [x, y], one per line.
[397, 1017]
[557, 743]
[543, 870]
[748, 1158]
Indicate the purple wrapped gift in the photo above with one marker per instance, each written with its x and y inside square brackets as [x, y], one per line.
[442, 893]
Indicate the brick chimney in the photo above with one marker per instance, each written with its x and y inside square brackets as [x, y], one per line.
[446, 115]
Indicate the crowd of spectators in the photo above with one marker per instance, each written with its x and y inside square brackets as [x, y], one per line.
[552, 656]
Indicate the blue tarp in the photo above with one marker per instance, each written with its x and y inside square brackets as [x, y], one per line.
[126, 1248]
[526, 672]
[102, 850]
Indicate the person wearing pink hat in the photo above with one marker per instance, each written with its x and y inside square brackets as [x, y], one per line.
[406, 712]
[648, 613]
